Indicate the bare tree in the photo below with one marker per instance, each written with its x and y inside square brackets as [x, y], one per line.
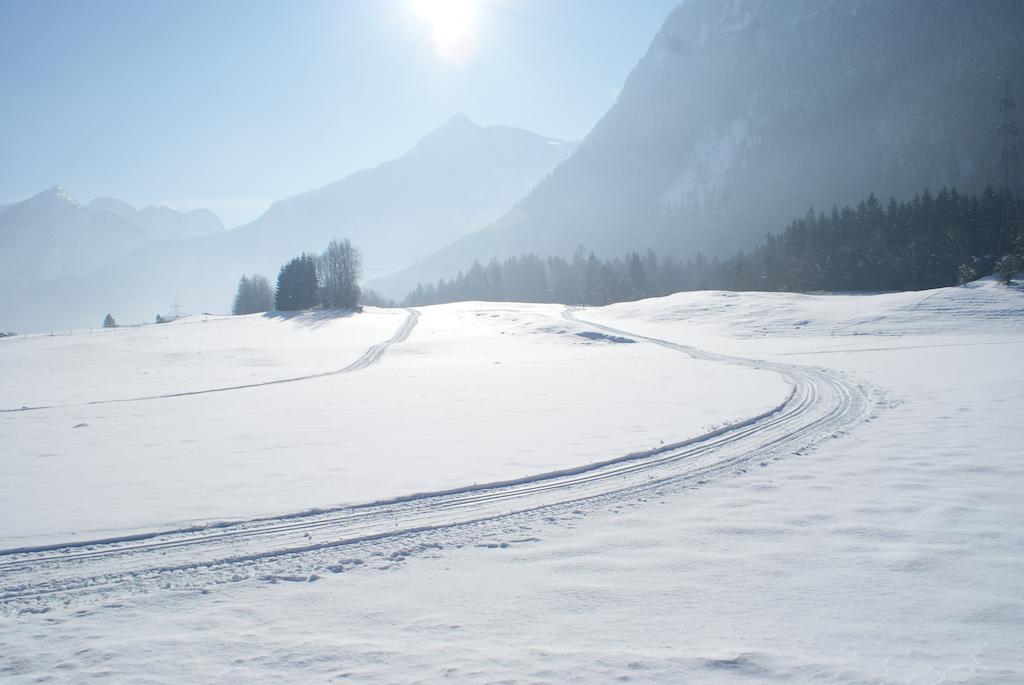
[338, 271]
[254, 295]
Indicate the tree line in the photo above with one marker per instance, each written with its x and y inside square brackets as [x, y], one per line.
[927, 242]
[329, 281]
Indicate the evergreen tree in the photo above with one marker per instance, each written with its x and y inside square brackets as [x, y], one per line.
[108, 322]
[297, 285]
[241, 305]
[637, 276]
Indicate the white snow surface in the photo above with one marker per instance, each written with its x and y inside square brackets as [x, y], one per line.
[891, 551]
[186, 355]
[478, 393]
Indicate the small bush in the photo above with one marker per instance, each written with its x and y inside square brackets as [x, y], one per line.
[965, 273]
[1007, 267]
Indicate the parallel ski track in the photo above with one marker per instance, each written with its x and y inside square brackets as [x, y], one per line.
[822, 403]
[370, 356]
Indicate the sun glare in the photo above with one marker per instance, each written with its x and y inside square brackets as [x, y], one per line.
[452, 27]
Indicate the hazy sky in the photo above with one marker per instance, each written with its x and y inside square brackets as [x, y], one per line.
[234, 103]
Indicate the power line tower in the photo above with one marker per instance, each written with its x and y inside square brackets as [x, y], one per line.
[176, 309]
[1010, 138]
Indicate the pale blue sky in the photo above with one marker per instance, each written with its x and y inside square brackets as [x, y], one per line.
[231, 104]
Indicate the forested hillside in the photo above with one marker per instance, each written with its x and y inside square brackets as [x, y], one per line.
[928, 242]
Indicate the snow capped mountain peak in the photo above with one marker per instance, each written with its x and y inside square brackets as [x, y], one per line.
[54, 194]
[55, 190]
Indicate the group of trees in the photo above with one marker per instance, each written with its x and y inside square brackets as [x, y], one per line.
[372, 298]
[927, 242]
[254, 295]
[530, 278]
[330, 281]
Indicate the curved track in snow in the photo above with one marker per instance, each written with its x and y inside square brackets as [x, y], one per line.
[300, 546]
[370, 356]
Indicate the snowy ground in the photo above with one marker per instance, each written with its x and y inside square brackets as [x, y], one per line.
[190, 354]
[475, 394]
[868, 531]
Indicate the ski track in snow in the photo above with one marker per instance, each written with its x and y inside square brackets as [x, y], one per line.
[371, 356]
[298, 547]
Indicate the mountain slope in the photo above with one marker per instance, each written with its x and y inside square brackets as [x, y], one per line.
[743, 114]
[456, 180]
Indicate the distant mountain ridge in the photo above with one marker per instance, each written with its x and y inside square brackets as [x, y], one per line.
[161, 222]
[744, 113]
[455, 180]
[50, 235]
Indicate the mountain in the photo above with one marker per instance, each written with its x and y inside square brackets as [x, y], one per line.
[456, 180]
[744, 113]
[162, 222]
[50, 235]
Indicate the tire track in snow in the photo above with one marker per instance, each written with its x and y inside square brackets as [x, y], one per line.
[822, 404]
[369, 357]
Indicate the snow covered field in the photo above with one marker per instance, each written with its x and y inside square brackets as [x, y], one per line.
[866, 526]
[476, 394]
[187, 355]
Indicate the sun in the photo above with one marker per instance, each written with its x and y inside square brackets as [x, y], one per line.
[452, 26]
